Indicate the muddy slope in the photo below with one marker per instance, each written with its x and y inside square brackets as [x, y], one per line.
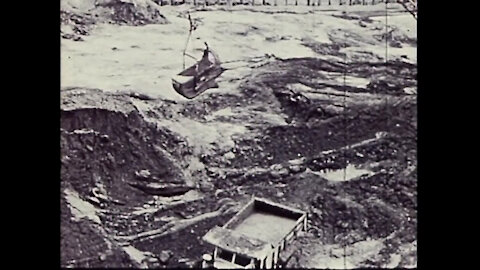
[107, 150]
[84, 245]
[283, 151]
[289, 130]
[112, 147]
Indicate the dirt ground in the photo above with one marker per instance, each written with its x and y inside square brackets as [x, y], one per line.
[285, 127]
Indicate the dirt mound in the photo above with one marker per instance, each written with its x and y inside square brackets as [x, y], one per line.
[324, 90]
[108, 150]
[83, 245]
[79, 17]
[74, 26]
[111, 147]
[130, 12]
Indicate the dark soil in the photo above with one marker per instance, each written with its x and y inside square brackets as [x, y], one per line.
[112, 149]
[106, 140]
[83, 245]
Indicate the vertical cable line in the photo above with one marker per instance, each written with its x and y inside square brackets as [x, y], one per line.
[345, 143]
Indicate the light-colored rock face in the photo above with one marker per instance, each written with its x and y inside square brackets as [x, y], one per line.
[81, 208]
[146, 58]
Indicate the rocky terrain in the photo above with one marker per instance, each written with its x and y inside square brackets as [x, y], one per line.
[313, 112]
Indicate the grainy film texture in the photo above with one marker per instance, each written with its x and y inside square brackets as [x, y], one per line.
[238, 134]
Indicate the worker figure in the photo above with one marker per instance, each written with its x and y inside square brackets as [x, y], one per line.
[207, 262]
[205, 63]
[208, 56]
[205, 52]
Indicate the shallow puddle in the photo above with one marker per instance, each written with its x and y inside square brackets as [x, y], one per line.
[345, 174]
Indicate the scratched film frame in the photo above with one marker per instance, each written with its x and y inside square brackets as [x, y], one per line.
[238, 134]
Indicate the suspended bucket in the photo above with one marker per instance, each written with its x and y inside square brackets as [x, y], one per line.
[199, 77]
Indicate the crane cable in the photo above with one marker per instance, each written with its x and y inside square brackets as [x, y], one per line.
[345, 138]
[191, 29]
